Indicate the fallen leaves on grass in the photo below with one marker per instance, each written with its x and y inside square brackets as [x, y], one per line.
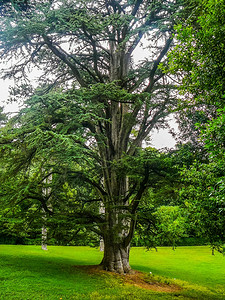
[138, 279]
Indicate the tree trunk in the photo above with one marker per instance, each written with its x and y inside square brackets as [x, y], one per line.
[117, 235]
[101, 211]
[101, 244]
[116, 258]
[44, 238]
[44, 232]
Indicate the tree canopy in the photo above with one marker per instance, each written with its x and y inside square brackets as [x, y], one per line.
[95, 104]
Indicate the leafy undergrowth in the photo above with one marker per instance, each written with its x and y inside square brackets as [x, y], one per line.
[27, 272]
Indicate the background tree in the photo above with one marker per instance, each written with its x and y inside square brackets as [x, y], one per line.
[199, 55]
[163, 219]
[87, 49]
[203, 197]
[199, 58]
[198, 61]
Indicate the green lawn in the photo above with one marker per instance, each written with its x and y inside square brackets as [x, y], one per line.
[27, 272]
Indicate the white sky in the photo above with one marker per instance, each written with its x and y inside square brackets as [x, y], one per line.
[162, 138]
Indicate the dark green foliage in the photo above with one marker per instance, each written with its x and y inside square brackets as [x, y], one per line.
[199, 60]
[203, 197]
[200, 53]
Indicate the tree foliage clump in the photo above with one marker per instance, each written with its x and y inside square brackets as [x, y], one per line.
[199, 55]
[198, 61]
[203, 198]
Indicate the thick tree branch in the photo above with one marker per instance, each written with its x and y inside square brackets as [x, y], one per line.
[130, 235]
[95, 54]
[156, 64]
[146, 127]
[136, 7]
[65, 58]
[134, 204]
[142, 29]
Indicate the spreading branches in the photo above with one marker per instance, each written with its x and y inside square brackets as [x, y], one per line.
[62, 55]
[156, 64]
[101, 103]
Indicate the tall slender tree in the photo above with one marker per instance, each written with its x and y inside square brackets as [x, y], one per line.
[91, 50]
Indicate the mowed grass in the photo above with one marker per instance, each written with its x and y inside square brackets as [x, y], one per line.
[27, 272]
[192, 264]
